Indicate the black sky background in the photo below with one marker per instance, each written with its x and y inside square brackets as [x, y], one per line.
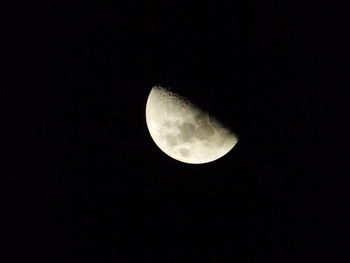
[84, 181]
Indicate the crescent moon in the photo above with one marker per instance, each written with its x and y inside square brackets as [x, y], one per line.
[183, 131]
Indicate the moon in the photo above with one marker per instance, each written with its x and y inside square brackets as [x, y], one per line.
[183, 131]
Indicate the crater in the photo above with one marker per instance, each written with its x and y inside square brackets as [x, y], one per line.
[205, 131]
[167, 124]
[184, 152]
[187, 132]
[171, 140]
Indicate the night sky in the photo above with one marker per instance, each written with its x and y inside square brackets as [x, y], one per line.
[85, 181]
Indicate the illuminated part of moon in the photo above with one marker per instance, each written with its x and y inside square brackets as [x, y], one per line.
[183, 131]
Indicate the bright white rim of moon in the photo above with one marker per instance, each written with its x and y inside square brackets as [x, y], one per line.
[183, 131]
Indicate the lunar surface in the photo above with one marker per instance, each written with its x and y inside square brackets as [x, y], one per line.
[183, 131]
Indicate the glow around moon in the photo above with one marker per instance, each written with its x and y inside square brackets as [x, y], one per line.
[183, 131]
